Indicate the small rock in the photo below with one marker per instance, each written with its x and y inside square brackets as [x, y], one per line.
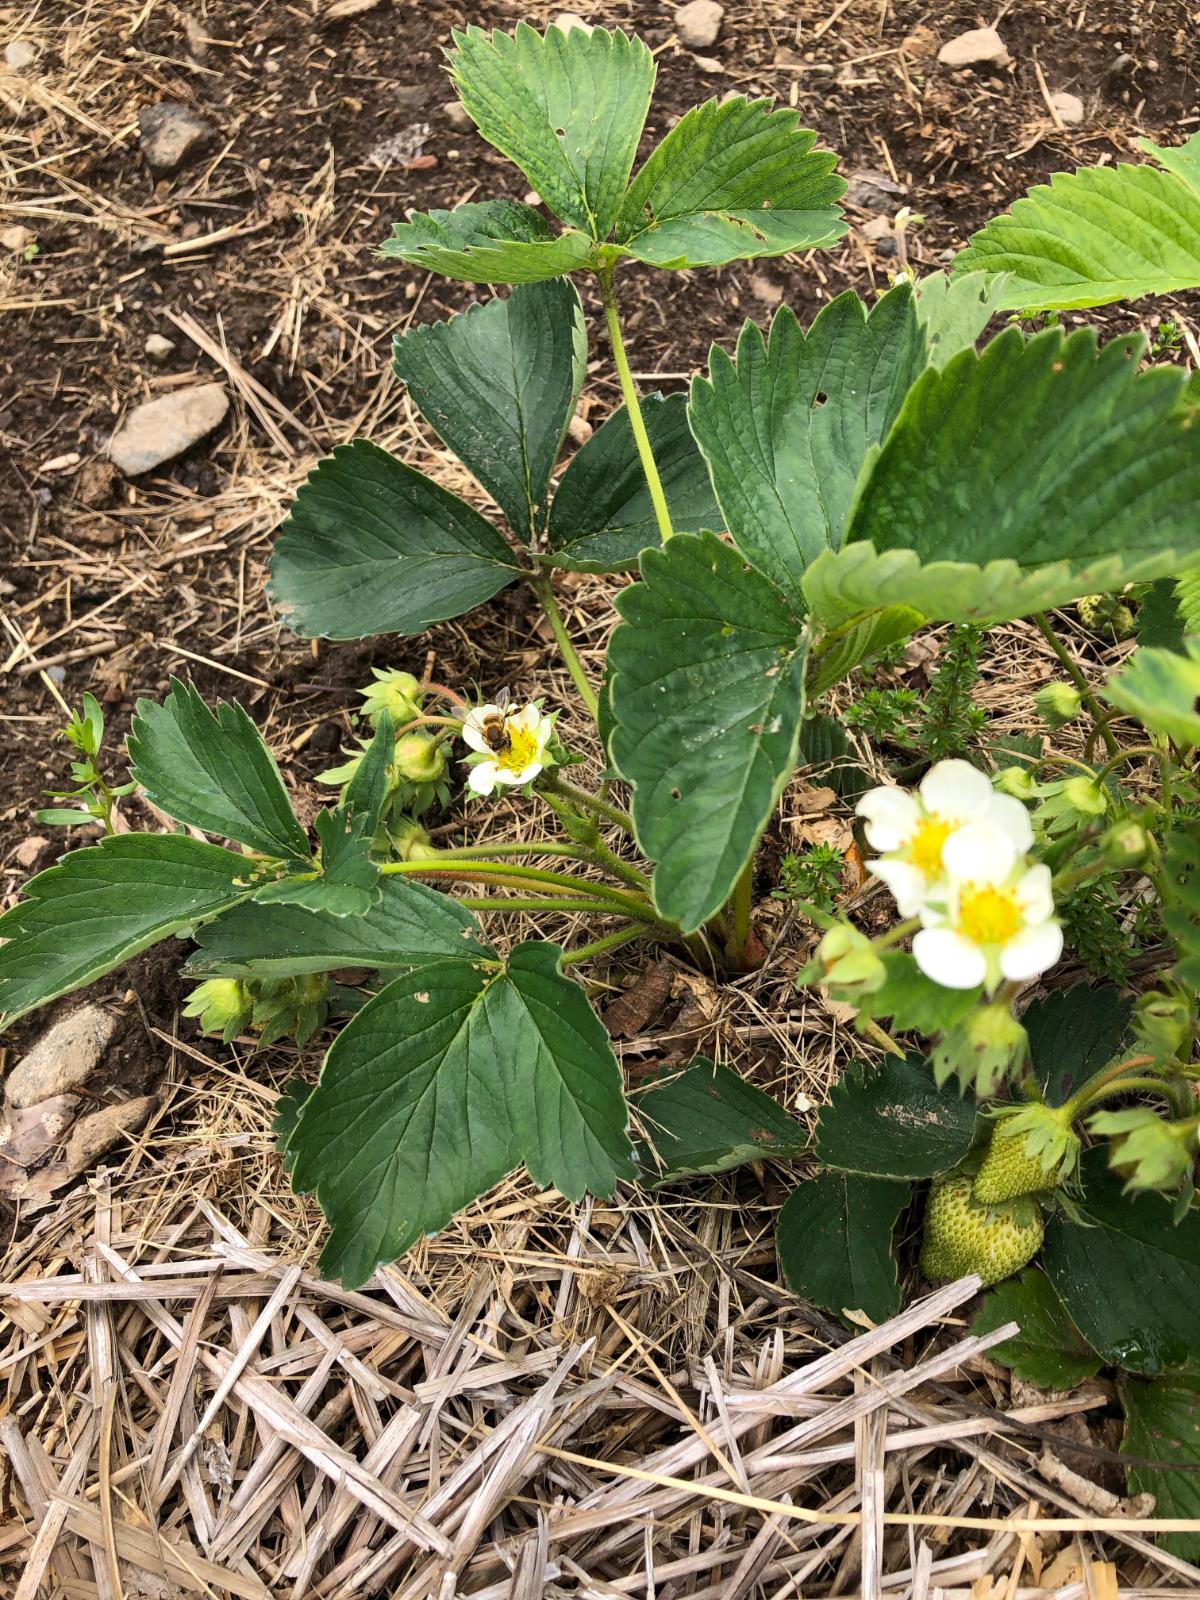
[63, 1058]
[341, 10]
[172, 135]
[921, 44]
[870, 190]
[566, 20]
[707, 64]
[196, 35]
[162, 429]
[698, 23]
[92, 1136]
[94, 486]
[765, 289]
[16, 237]
[1069, 107]
[456, 115]
[26, 1135]
[981, 47]
[29, 850]
[579, 429]
[19, 54]
[157, 347]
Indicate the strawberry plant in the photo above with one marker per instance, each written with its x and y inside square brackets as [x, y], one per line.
[820, 495]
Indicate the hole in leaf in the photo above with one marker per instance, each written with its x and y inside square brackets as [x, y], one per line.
[560, 133]
[676, 795]
[820, 398]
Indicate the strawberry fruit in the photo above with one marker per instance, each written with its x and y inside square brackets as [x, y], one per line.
[962, 1236]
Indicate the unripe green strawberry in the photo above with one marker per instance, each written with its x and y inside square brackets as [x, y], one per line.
[1007, 1171]
[962, 1237]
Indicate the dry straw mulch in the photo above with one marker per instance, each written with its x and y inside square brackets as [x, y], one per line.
[527, 1406]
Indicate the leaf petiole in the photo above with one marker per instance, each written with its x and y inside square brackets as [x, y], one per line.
[637, 425]
[544, 589]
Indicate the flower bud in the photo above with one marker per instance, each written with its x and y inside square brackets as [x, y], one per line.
[419, 758]
[223, 1006]
[1163, 1024]
[1126, 844]
[1016, 781]
[410, 841]
[848, 961]
[1058, 704]
[396, 692]
[1085, 796]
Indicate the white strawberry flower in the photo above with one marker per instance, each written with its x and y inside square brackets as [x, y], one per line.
[910, 828]
[511, 747]
[994, 916]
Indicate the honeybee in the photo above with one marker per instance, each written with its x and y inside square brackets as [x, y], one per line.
[494, 727]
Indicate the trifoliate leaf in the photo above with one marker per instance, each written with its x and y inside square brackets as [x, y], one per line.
[705, 1118]
[707, 695]
[498, 384]
[1128, 1274]
[1049, 1351]
[1161, 688]
[601, 518]
[786, 427]
[890, 1120]
[102, 905]
[408, 926]
[1096, 235]
[567, 108]
[214, 772]
[1162, 1424]
[834, 1239]
[732, 180]
[488, 241]
[439, 1086]
[953, 312]
[1019, 479]
[373, 546]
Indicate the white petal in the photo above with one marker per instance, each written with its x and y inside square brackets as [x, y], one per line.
[1031, 951]
[948, 958]
[956, 791]
[891, 815]
[907, 883]
[1007, 813]
[979, 853]
[526, 719]
[482, 779]
[1035, 895]
[472, 730]
[528, 771]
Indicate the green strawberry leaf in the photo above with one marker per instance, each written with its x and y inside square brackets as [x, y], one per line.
[439, 1086]
[704, 1118]
[1128, 1275]
[1097, 235]
[890, 1120]
[348, 883]
[408, 926]
[498, 384]
[371, 783]
[733, 180]
[567, 108]
[601, 518]
[101, 905]
[1072, 1034]
[1049, 1351]
[953, 312]
[1019, 479]
[372, 546]
[707, 696]
[1181, 912]
[1162, 1423]
[488, 241]
[214, 772]
[1159, 624]
[787, 426]
[914, 1002]
[834, 1239]
[1161, 688]
[838, 652]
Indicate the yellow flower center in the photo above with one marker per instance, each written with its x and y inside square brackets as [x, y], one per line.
[988, 915]
[522, 749]
[925, 846]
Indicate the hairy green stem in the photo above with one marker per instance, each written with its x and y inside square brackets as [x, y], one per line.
[739, 912]
[1073, 670]
[1122, 1086]
[544, 589]
[1097, 1083]
[629, 393]
[517, 877]
[534, 847]
[482, 902]
[604, 809]
[610, 941]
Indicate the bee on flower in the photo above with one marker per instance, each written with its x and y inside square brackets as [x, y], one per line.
[510, 745]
